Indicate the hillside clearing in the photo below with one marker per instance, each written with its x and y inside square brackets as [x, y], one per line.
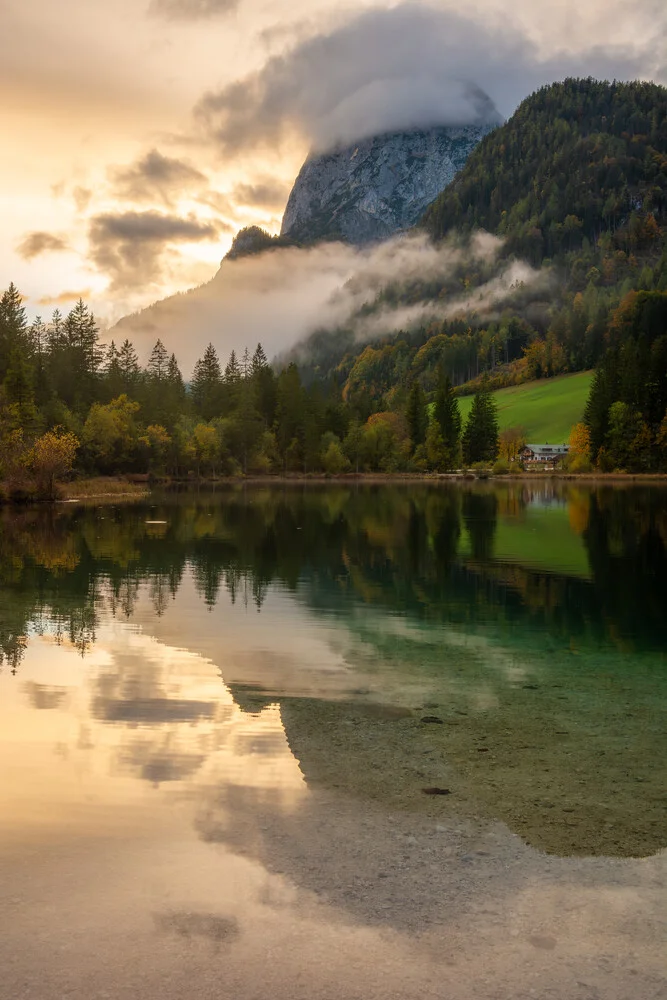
[547, 408]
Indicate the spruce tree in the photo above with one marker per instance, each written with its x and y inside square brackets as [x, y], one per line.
[264, 384]
[480, 438]
[416, 415]
[448, 418]
[232, 383]
[206, 385]
[13, 325]
[290, 415]
[113, 378]
[128, 363]
[158, 363]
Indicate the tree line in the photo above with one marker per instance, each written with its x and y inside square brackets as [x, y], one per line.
[69, 402]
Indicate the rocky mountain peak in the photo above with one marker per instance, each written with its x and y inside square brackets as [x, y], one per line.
[378, 186]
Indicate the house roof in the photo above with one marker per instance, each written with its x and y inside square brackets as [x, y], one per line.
[548, 449]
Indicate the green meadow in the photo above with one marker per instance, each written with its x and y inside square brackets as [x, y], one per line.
[547, 409]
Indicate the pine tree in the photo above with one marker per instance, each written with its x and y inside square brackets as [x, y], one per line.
[13, 325]
[416, 415]
[206, 385]
[113, 376]
[290, 415]
[39, 342]
[128, 363]
[264, 383]
[259, 361]
[232, 382]
[448, 418]
[158, 363]
[56, 333]
[174, 394]
[19, 387]
[603, 392]
[480, 438]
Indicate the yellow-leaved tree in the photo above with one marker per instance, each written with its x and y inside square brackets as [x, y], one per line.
[52, 457]
[579, 455]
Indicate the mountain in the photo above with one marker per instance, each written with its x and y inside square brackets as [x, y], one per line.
[378, 186]
[575, 183]
[577, 159]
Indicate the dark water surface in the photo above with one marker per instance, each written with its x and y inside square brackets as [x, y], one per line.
[331, 742]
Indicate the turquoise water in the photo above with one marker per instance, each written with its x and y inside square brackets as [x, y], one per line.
[430, 709]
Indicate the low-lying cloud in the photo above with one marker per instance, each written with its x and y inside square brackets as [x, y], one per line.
[413, 65]
[130, 247]
[36, 243]
[282, 296]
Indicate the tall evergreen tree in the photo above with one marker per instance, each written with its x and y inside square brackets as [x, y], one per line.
[290, 416]
[206, 385]
[232, 383]
[603, 392]
[264, 382]
[13, 325]
[480, 437]
[128, 364]
[448, 418]
[158, 363]
[112, 374]
[416, 415]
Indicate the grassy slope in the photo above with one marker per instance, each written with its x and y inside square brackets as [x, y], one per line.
[547, 408]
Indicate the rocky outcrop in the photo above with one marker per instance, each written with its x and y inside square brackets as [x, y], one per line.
[253, 240]
[378, 186]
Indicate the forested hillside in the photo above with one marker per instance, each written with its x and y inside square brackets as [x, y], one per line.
[575, 183]
[577, 160]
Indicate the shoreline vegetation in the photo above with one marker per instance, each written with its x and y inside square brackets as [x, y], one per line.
[114, 489]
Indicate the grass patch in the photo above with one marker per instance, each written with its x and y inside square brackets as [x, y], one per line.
[101, 486]
[547, 408]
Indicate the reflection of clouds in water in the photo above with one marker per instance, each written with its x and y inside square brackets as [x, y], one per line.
[44, 696]
[212, 927]
[173, 720]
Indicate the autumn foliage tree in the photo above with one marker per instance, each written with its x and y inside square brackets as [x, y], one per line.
[51, 458]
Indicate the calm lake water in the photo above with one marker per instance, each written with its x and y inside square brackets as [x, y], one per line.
[335, 742]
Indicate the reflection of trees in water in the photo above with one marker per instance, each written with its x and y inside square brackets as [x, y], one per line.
[626, 541]
[480, 517]
[398, 548]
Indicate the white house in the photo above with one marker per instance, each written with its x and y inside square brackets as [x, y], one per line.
[544, 454]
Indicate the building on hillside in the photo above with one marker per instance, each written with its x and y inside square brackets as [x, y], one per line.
[544, 454]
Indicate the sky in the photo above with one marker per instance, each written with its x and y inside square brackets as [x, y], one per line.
[140, 135]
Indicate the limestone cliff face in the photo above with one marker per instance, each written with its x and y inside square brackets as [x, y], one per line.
[377, 187]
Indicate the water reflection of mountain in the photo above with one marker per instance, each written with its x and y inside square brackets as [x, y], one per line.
[548, 681]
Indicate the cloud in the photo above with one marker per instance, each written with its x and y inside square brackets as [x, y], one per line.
[155, 176]
[43, 696]
[264, 193]
[151, 711]
[36, 243]
[131, 247]
[282, 296]
[191, 10]
[412, 65]
[64, 297]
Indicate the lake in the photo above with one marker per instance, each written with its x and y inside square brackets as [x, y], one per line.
[335, 741]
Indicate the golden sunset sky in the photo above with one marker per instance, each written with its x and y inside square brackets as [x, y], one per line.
[140, 135]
